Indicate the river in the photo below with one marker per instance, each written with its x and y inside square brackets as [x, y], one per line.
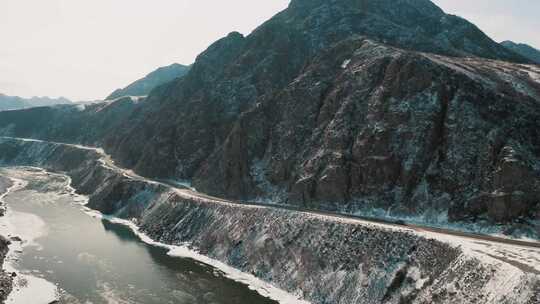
[92, 260]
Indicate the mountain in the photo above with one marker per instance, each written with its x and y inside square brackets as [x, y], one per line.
[16, 103]
[381, 107]
[524, 50]
[142, 87]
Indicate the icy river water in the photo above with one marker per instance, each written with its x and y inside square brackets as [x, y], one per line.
[91, 260]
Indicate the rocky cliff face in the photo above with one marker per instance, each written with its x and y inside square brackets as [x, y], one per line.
[306, 110]
[368, 126]
[409, 24]
[322, 259]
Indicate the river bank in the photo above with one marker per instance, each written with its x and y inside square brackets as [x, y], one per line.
[93, 260]
[319, 258]
[6, 279]
[22, 230]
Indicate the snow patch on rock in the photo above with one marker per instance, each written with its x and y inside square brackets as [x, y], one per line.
[345, 63]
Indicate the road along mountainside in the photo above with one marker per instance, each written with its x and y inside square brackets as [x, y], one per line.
[322, 258]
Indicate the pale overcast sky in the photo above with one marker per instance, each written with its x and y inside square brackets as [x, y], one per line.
[85, 49]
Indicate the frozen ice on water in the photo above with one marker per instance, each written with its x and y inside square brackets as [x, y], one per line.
[27, 288]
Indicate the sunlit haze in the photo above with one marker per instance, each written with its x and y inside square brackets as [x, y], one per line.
[84, 49]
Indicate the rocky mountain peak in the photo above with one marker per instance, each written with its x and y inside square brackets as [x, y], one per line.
[410, 24]
[370, 6]
[272, 55]
[222, 50]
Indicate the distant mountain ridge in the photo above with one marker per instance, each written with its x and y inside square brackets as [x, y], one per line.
[144, 86]
[17, 103]
[523, 49]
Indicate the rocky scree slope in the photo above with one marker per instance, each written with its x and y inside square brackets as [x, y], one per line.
[306, 110]
[323, 260]
[144, 86]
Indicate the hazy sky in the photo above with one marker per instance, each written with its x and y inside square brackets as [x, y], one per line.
[84, 49]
